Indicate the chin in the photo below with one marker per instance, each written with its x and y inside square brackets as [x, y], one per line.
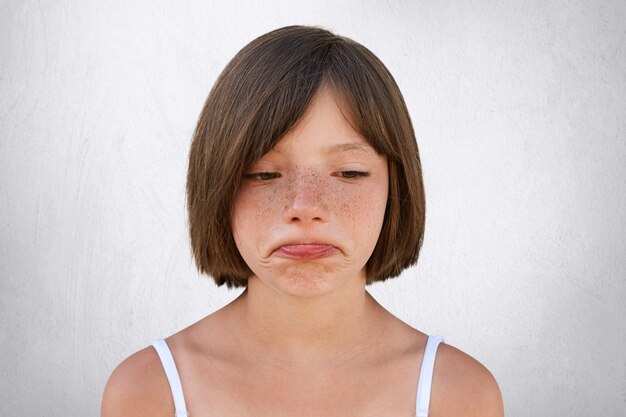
[307, 280]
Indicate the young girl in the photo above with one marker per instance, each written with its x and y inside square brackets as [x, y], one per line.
[304, 186]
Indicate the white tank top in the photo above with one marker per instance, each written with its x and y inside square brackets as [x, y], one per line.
[424, 384]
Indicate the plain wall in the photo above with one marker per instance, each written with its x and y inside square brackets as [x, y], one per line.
[519, 109]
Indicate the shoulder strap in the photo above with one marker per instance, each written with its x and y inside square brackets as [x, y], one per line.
[424, 384]
[167, 360]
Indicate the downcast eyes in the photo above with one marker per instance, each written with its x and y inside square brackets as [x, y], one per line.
[267, 176]
[351, 174]
[262, 176]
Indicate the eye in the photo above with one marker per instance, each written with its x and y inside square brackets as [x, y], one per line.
[262, 176]
[351, 174]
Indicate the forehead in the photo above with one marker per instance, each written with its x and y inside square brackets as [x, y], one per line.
[325, 125]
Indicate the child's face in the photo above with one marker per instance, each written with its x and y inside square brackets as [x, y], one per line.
[309, 212]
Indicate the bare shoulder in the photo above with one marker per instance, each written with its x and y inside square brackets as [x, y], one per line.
[138, 387]
[463, 386]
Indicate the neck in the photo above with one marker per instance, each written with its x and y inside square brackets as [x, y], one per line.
[330, 328]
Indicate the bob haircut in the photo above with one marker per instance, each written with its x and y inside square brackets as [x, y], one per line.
[260, 95]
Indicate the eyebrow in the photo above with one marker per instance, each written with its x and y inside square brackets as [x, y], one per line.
[351, 147]
[347, 147]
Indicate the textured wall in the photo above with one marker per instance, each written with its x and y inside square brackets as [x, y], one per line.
[519, 111]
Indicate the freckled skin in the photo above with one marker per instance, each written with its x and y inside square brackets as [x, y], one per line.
[309, 200]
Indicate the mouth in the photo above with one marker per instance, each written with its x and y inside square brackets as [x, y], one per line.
[305, 251]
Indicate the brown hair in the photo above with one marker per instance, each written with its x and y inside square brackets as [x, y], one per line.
[262, 93]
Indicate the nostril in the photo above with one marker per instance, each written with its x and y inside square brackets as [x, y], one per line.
[304, 214]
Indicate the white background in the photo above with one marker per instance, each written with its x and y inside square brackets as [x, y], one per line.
[520, 113]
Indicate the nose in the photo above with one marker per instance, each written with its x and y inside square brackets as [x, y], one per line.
[305, 201]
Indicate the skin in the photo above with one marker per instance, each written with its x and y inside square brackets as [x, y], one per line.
[305, 338]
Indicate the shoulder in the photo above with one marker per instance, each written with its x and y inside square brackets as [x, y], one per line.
[138, 387]
[463, 386]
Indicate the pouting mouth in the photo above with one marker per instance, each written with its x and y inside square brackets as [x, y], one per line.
[305, 250]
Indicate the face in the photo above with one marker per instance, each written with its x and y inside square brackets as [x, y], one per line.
[308, 214]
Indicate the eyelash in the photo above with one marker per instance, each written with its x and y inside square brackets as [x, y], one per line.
[262, 176]
[267, 176]
[350, 175]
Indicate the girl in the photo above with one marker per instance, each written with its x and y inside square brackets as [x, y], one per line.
[304, 185]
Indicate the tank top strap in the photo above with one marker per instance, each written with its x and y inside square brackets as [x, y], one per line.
[424, 384]
[169, 366]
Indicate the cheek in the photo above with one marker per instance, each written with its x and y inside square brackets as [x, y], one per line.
[363, 208]
[264, 206]
[350, 206]
[253, 208]
[376, 206]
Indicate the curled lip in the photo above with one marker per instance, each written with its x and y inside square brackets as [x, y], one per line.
[304, 249]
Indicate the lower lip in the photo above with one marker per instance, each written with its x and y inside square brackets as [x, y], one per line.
[307, 251]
